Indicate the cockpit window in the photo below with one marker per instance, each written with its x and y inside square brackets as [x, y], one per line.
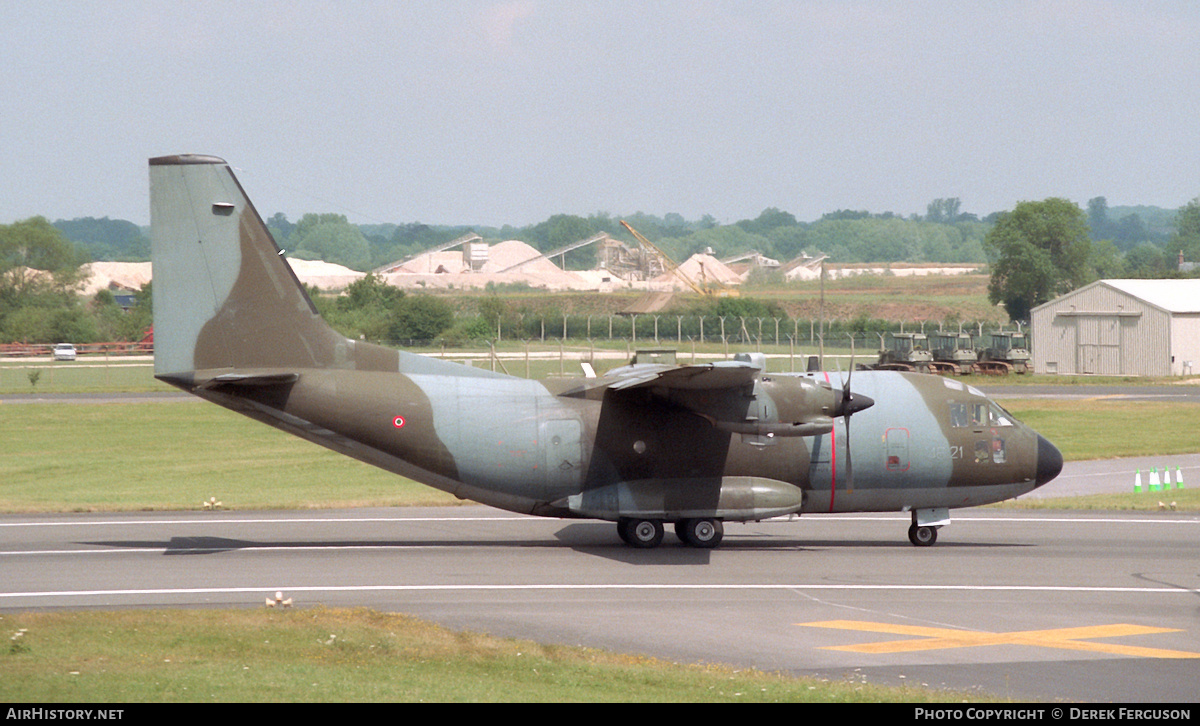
[999, 416]
[975, 414]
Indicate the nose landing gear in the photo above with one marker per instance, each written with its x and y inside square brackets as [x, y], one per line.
[925, 525]
[922, 536]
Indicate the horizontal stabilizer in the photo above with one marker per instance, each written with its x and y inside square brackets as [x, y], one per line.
[251, 379]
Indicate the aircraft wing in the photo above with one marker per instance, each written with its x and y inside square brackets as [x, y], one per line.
[720, 375]
[720, 392]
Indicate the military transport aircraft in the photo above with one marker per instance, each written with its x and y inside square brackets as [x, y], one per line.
[643, 445]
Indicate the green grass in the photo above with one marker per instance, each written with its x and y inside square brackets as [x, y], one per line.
[88, 375]
[338, 655]
[1106, 428]
[1043, 379]
[123, 376]
[171, 456]
[1181, 500]
[70, 378]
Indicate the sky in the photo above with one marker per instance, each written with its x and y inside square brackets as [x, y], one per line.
[495, 112]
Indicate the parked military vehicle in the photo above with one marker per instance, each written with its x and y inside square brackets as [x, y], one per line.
[1008, 353]
[906, 352]
[953, 353]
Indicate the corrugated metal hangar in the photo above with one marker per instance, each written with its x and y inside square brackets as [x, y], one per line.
[1120, 328]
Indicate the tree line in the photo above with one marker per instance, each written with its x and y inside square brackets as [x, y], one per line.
[40, 275]
[944, 234]
[1036, 251]
[1041, 250]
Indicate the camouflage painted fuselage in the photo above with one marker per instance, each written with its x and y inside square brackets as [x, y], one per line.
[233, 326]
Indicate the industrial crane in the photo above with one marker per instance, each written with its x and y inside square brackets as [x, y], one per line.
[675, 269]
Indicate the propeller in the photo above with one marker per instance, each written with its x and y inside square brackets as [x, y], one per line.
[849, 404]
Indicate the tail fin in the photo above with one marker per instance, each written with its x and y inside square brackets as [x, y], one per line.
[224, 298]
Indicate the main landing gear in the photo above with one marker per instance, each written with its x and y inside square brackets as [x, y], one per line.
[702, 533]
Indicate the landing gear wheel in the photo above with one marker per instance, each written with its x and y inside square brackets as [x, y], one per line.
[922, 536]
[702, 533]
[641, 533]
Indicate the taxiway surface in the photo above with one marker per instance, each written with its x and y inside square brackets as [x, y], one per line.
[1021, 605]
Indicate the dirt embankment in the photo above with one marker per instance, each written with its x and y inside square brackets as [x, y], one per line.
[891, 299]
[884, 297]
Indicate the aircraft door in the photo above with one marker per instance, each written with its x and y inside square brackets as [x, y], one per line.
[896, 448]
[562, 456]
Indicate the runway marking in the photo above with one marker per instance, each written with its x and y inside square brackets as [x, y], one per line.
[944, 638]
[616, 587]
[278, 520]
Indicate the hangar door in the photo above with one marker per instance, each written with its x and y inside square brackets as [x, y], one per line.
[1098, 345]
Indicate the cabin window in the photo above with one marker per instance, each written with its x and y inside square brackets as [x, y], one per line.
[998, 455]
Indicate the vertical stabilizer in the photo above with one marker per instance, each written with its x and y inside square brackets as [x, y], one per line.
[224, 297]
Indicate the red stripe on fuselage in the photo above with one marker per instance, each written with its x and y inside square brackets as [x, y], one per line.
[832, 457]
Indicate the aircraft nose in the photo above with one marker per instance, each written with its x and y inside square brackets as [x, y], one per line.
[1049, 461]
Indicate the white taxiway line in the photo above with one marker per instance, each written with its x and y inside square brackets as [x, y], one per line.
[290, 520]
[292, 589]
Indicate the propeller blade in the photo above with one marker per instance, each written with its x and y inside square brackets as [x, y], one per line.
[849, 464]
[847, 407]
[846, 395]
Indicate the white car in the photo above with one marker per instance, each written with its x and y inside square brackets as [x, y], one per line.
[64, 351]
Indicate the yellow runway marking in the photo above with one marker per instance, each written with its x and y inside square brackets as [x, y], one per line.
[1064, 638]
